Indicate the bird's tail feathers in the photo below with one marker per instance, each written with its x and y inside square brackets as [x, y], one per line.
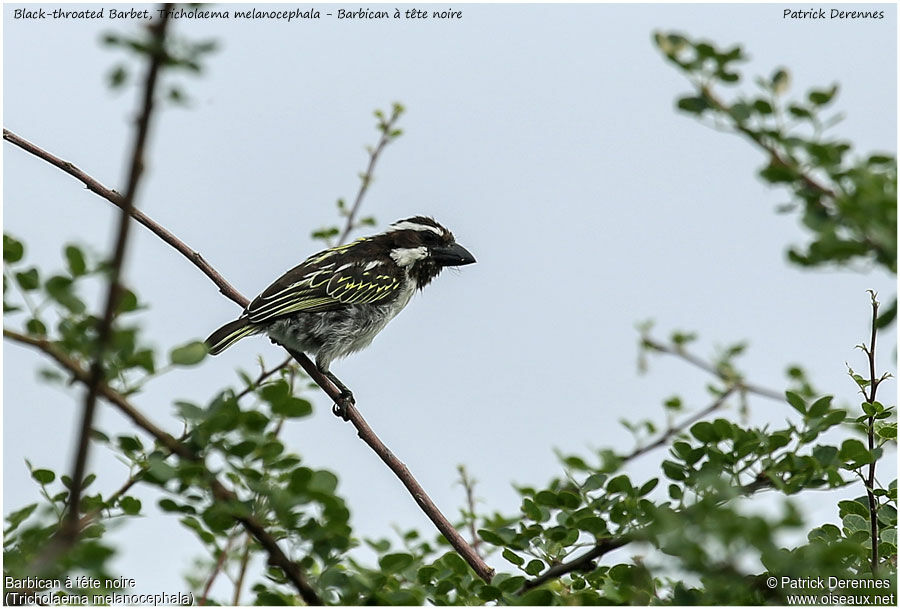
[229, 334]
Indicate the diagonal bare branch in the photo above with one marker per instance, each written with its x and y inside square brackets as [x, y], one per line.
[116, 199]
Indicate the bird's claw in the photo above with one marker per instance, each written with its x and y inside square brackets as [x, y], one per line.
[340, 407]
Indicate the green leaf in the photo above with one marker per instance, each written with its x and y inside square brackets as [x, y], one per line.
[75, 260]
[852, 507]
[13, 250]
[394, 563]
[189, 354]
[855, 453]
[43, 476]
[28, 280]
[19, 516]
[127, 302]
[130, 443]
[292, 408]
[36, 327]
[673, 471]
[536, 598]
[323, 481]
[547, 498]
[534, 567]
[704, 431]
[820, 97]
[593, 524]
[692, 104]
[619, 484]
[130, 505]
[855, 522]
[819, 407]
[796, 402]
[887, 430]
[513, 557]
[780, 81]
[648, 486]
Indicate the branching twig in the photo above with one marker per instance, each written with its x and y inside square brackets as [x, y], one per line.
[263, 376]
[661, 441]
[774, 155]
[703, 365]
[217, 568]
[70, 529]
[276, 556]
[585, 562]
[468, 485]
[387, 134]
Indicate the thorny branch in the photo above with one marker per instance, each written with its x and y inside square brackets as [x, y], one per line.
[220, 492]
[739, 384]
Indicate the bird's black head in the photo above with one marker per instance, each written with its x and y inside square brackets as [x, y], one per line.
[423, 247]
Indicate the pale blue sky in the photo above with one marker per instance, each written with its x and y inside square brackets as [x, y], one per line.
[544, 136]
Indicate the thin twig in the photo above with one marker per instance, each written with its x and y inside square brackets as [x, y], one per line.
[870, 483]
[245, 560]
[585, 562]
[468, 485]
[663, 439]
[263, 376]
[387, 129]
[217, 568]
[703, 365]
[70, 529]
[93, 514]
[276, 556]
[775, 156]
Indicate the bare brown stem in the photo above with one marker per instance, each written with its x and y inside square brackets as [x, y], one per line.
[116, 199]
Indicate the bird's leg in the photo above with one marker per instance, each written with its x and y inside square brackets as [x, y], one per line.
[346, 398]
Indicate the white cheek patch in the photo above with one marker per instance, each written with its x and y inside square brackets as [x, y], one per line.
[405, 256]
[413, 226]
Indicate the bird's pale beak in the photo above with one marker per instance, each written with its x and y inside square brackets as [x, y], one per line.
[452, 255]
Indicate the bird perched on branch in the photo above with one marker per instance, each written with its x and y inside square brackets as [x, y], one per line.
[336, 301]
